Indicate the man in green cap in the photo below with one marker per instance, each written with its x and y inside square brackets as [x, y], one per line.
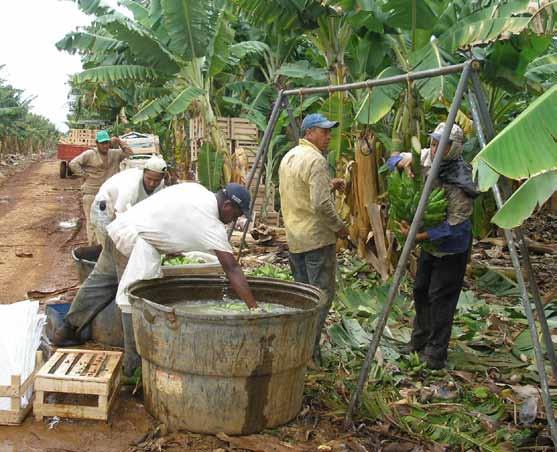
[97, 165]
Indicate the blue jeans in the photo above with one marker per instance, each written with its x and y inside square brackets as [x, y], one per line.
[317, 268]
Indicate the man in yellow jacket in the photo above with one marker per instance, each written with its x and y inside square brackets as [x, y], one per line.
[97, 165]
[311, 221]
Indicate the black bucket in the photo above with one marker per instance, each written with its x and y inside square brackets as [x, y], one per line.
[85, 258]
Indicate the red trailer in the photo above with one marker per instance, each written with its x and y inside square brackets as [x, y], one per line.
[65, 153]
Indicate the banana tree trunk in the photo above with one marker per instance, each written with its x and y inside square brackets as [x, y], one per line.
[216, 138]
[338, 76]
[181, 156]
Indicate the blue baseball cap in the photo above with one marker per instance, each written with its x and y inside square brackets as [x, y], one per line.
[102, 136]
[317, 120]
[240, 195]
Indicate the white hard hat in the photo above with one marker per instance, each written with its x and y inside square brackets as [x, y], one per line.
[156, 164]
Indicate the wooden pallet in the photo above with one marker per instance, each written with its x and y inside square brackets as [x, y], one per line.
[237, 129]
[197, 130]
[86, 137]
[88, 372]
[243, 130]
[16, 414]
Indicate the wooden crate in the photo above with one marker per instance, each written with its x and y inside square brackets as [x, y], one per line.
[243, 130]
[238, 129]
[79, 372]
[197, 128]
[16, 414]
[86, 137]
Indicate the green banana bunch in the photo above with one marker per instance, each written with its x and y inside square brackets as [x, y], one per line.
[404, 195]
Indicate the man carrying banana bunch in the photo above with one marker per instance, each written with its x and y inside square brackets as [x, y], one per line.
[440, 272]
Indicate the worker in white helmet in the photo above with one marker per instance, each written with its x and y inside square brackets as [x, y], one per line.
[125, 189]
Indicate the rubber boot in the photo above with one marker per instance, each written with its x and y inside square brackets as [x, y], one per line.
[66, 336]
[435, 358]
[132, 361]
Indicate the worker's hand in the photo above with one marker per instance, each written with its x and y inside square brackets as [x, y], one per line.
[236, 277]
[338, 184]
[404, 228]
[406, 165]
[342, 233]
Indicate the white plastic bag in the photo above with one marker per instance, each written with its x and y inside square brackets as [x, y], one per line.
[21, 327]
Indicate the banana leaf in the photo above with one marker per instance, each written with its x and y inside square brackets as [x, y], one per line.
[81, 40]
[485, 176]
[245, 48]
[95, 7]
[528, 146]
[152, 109]
[400, 14]
[520, 206]
[191, 25]
[432, 56]
[140, 12]
[116, 73]
[481, 31]
[145, 46]
[293, 15]
[182, 102]
[219, 47]
[302, 69]
[543, 69]
[338, 107]
[378, 102]
[210, 167]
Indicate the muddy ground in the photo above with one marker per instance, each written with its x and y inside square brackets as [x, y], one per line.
[35, 259]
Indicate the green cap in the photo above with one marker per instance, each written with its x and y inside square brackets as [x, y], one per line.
[102, 136]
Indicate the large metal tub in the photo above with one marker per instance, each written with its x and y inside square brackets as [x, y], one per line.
[236, 374]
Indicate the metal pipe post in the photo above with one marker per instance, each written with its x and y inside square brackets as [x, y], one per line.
[546, 334]
[260, 158]
[447, 70]
[409, 244]
[546, 396]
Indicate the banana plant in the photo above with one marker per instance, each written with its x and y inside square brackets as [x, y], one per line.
[521, 155]
[20, 130]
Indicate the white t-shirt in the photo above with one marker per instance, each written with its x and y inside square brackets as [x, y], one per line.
[180, 218]
[183, 217]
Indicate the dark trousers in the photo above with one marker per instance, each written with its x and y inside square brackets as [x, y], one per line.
[436, 292]
[100, 287]
[318, 268]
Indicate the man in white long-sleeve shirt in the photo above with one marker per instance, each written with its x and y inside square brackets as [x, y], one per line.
[124, 190]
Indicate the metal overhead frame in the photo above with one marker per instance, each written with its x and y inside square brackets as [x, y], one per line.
[484, 126]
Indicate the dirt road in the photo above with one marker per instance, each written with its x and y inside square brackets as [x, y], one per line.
[34, 245]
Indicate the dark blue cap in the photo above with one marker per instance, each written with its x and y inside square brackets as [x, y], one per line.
[240, 195]
[317, 120]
